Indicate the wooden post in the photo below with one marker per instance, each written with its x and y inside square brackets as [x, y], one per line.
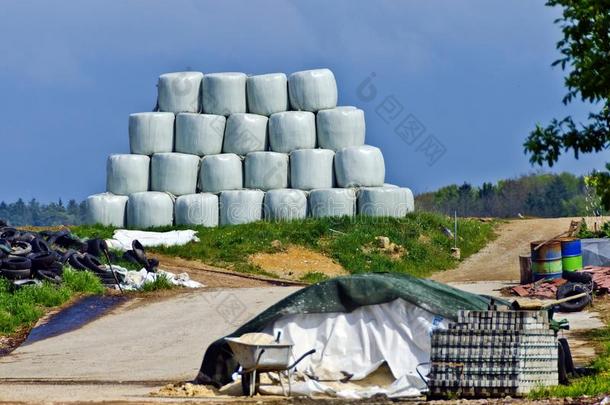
[525, 267]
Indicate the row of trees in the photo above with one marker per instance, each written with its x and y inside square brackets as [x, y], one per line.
[540, 195]
[34, 213]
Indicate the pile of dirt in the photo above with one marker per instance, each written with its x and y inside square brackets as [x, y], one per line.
[383, 245]
[185, 390]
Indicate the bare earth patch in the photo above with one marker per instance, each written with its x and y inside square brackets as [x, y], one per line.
[294, 262]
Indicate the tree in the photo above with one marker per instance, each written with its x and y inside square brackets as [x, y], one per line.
[585, 50]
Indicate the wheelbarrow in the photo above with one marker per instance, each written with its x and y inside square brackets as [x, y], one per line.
[257, 358]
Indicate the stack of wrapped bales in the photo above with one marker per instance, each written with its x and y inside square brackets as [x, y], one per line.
[227, 148]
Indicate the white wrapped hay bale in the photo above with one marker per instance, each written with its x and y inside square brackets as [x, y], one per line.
[266, 170]
[175, 173]
[332, 202]
[285, 204]
[221, 172]
[291, 130]
[197, 209]
[340, 127]
[312, 90]
[385, 201]
[224, 93]
[199, 134]
[180, 92]
[126, 174]
[241, 206]
[267, 94]
[150, 209]
[245, 133]
[106, 209]
[311, 168]
[151, 132]
[359, 166]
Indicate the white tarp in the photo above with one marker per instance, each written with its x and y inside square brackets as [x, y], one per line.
[221, 172]
[241, 206]
[267, 94]
[224, 93]
[151, 132]
[312, 90]
[174, 173]
[340, 127]
[199, 134]
[123, 238]
[126, 174]
[332, 202]
[285, 204]
[134, 280]
[245, 133]
[359, 166]
[290, 130]
[197, 209]
[106, 209]
[150, 209]
[311, 168]
[385, 201]
[266, 170]
[180, 92]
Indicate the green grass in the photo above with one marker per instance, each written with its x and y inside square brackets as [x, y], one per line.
[24, 306]
[160, 283]
[342, 239]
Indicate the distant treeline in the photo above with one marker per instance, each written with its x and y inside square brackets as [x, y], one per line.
[20, 213]
[539, 195]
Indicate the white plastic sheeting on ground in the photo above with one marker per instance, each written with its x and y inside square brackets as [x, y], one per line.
[311, 168]
[596, 252]
[221, 172]
[197, 209]
[241, 206]
[312, 90]
[126, 174]
[292, 130]
[151, 132]
[245, 133]
[106, 209]
[224, 93]
[199, 134]
[385, 201]
[358, 342]
[180, 92]
[266, 170]
[267, 94]
[340, 127]
[285, 204]
[359, 166]
[150, 209]
[332, 202]
[174, 173]
[135, 280]
[123, 238]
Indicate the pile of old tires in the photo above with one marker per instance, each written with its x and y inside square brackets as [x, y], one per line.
[27, 255]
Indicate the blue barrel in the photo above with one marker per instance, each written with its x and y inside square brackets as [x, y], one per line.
[546, 260]
[571, 252]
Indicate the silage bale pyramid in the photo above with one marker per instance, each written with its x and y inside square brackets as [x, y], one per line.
[226, 148]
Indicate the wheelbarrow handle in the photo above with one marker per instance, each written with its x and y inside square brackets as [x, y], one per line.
[312, 351]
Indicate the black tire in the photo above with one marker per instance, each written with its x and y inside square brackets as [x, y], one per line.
[561, 366]
[577, 277]
[39, 245]
[8, 233]
[139, 253]
[26, 237]
[567, 353]
[50, 276]
[15, 274]
[152, 265]
[92, 263]
[570, 289]
[96, 247]
[64, 257]
[41, 260]
[75, 260]
[19, 248]
[129, 256]
[16, 263]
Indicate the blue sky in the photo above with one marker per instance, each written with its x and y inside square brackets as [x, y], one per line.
[475, 75]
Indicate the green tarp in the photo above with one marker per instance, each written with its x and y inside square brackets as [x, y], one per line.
[343, 294]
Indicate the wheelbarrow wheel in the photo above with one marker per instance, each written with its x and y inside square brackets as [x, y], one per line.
[246, 379]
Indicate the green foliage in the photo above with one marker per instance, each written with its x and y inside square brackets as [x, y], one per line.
[93, 231]
[584, 55]
[314, 277]
[36, 214]
[160, 283]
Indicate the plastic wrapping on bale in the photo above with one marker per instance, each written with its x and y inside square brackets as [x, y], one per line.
[311, 168]
[245, 133]
[197, 209]
[266, 170]
[267, 94]
[224, 93]
[150, 209]
[106, 209]
[241, 206]
[285, 204]
[180, 92]
[200, 134]
[312, 90]
[151, 132]
[126, 174]
[359, 166]
[221, 172]
[340, 127]
[385, 201]
[332, 202]
[175, 173]
[291, 130]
